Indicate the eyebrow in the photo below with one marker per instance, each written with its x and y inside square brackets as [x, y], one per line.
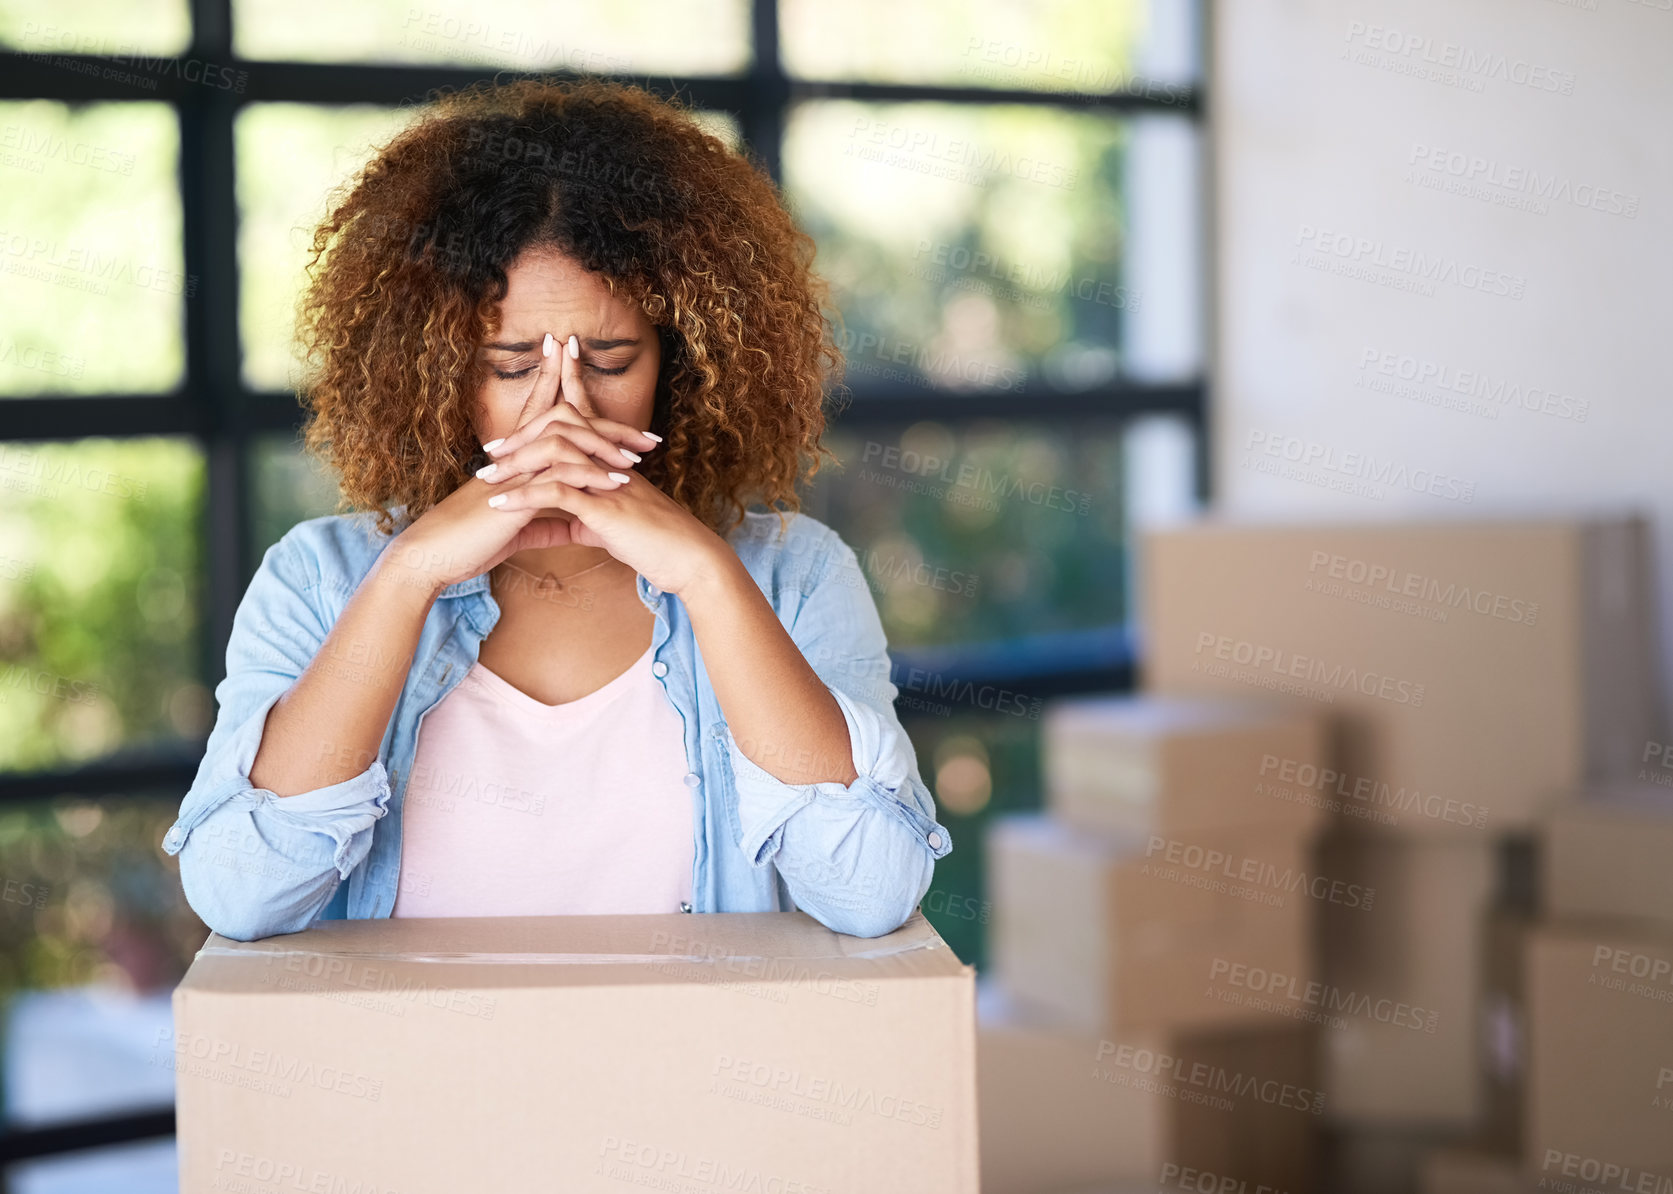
[531, 345]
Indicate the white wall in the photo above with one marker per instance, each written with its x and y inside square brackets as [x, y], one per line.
[1320, 131]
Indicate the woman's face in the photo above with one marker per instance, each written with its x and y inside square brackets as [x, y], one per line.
[548, 291]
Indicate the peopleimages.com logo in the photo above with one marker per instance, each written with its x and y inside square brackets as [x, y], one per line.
[1309, 668]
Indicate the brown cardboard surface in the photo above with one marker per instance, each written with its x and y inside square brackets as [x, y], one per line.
[1472, 1171]
[585, 1053]
[1126, 932]
[1611, 854]
[1067, 1110]
[1600, 1072]
[1374, 1159]
[1403, 1045]
[1476, 673]
[1178, 765]
[1048, 1122]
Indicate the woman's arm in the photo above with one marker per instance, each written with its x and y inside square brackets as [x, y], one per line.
[780, 712]
[253, 862]
[827, 781]
[333, 718]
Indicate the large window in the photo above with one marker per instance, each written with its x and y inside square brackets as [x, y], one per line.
[1006, 197]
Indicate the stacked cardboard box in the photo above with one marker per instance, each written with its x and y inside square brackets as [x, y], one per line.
[1169, 765]
[1599, 997]
[1148, 935]
[1404, 982]
[1474, 674]
[1472, 1171]
[1063, 1110]
[1155, 931]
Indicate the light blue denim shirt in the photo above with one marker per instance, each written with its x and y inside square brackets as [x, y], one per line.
[857, 857]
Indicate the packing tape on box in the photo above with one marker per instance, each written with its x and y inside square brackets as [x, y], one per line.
[536, 959]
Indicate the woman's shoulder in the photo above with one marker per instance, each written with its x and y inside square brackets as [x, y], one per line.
[332, 550]
[794, 552]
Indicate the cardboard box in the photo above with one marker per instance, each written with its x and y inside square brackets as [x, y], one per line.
[601, 1053]
[1180, 765]
[1610, 854]
[1472, 1171]
[1064, 1110]
[1600, 1072]
[1476, 672]
[1374, 1159]
[1404, 982]
[1114, 933]
[1048, 1122]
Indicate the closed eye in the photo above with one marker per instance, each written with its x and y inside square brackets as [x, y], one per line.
[502, 374]
[609, 372]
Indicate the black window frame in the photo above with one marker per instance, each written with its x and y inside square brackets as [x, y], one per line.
[214, 406]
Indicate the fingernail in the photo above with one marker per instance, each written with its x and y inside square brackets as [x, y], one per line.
[633, 456]
[574, 349]
[492, 444]
[498, 499]
[620, 478]
[646, 434]
[546, 345]
[488, 471]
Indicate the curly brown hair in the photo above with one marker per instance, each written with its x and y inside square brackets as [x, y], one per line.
[409, 268]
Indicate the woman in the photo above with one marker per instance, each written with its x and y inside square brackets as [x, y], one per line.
[559, 340]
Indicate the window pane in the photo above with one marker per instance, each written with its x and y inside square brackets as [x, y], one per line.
[94, 932]
[1087, 46]
[723, 125]
[90, 248]
[631, 37]
[101, 27]
[967, 248]
[977, 765]
[290, 157]
[99, 599]
[287, 486]
[993, 530]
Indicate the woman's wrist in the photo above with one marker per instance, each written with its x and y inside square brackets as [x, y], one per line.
[715, 577]
[410, 568]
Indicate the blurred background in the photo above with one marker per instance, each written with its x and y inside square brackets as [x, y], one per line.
[1103, 267]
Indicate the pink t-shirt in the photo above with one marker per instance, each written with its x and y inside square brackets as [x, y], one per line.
[519, 808]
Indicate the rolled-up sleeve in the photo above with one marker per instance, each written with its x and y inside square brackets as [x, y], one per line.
[858, 857]
[253, 863]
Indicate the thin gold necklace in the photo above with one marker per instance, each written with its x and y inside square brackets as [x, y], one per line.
[547, 582]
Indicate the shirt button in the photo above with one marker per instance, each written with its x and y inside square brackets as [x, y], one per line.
[173, 838]
[659, 669]
[692, 779]
[934, 840]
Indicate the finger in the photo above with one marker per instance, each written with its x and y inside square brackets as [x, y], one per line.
[581, 431]
[566, 486]
[541, 532]
[622, 433]
[542, 397]
[563, 411]
[574, 393]
[560, 445]
[574, 389]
